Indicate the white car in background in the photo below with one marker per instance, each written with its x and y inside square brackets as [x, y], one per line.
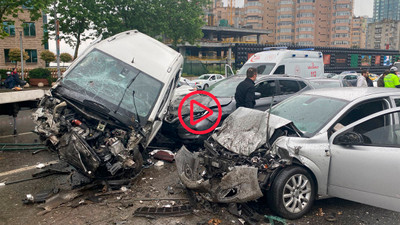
[206, 80]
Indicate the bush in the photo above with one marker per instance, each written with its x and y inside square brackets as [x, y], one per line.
[40, 73]
[3, 73]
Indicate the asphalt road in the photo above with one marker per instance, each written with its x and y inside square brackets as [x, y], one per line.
[12, 211]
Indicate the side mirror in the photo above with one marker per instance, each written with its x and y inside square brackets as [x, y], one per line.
[349, 138]
[258, 95]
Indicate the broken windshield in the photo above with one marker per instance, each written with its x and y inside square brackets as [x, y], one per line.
[309, 113]
[102, 78]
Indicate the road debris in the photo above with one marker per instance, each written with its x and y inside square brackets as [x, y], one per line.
[214, 221]
[153, 212]
[59, 199]
[159, 164]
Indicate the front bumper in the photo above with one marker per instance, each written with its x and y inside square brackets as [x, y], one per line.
[238, 185]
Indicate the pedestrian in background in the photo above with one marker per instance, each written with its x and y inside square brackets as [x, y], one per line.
[10, 82]
[361, 80]
[365, 73]
[245, 91]
[392, 80]
[381, 82]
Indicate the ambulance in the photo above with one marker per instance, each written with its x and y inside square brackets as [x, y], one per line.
[302, 62]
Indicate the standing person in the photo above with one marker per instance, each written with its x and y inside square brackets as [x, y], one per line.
[381, 82]
[365, 73]
[361, 80]
[392, 80]
[245, 91]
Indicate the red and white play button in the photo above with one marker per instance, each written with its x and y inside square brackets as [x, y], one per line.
[193, 104]
[209, 112]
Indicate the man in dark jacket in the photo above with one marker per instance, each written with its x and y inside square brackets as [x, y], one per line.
[245, 91]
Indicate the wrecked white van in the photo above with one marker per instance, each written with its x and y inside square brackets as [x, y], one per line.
[109, 104]
[302, 63]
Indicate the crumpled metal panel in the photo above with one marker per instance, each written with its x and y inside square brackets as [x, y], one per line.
[245, 130]
[237, 186]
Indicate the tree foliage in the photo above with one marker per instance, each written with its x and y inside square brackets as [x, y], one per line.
[11, 8]
[65, 57]
[75, 21]
[15, 55]
[47, 56]
[178, 20]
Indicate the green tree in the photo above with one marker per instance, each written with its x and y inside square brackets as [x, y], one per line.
[65, 57]
[179, 20]
[75, 21]
[182, 20]
[11, 8]
[47, 56]
[15, 55]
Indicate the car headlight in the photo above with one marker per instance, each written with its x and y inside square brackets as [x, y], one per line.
[199, 82]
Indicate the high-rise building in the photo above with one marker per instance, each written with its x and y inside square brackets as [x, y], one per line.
[359, 32]
[386, 9]
[301, 22]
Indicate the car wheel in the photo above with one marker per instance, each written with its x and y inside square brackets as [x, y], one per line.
[205, 86]
[292, 193]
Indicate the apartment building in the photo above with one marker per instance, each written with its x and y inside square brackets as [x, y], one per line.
[314, 22]
[359, 32]
[220, 15]
[303, 22]
[384, 35]
[386, 10]
[31, 33]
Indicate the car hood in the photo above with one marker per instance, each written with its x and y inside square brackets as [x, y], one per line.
[245, 130]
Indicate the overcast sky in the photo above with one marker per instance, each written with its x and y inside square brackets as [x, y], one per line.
[361, 8]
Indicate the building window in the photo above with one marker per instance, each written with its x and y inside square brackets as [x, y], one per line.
[32, 55]
[6, 56]
[29, 29]
[9, 28]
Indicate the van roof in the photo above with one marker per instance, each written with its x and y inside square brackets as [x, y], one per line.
[274, 56]
[140, 51]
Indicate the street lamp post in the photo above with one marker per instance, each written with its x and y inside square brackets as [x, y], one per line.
[22, 54]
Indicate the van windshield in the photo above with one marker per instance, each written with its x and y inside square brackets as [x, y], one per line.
[262, 68]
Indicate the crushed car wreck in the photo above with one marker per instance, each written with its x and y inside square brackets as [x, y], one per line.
[109, 104]
[301, 151]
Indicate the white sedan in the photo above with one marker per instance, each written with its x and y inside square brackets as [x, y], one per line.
[206, 80]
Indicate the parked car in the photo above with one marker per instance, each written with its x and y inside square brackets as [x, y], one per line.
[329, 75]
[183, 88]
[317, 83]
[351, 79]
[348, 72]
[321, 143]
[109, 105]
[206, 80]
[269, 89]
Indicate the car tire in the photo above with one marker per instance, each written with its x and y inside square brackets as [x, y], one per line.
[205, 87]
[292, 186]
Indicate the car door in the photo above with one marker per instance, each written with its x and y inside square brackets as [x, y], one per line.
[212, 80]
[286, 88]
[267, 89]
[365, 159]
